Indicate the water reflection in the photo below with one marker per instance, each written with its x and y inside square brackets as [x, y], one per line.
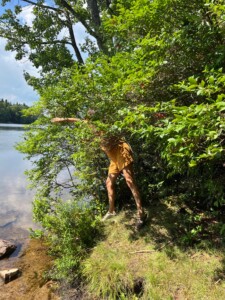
[15, 198]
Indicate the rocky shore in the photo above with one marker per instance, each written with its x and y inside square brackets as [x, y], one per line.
[30, 282]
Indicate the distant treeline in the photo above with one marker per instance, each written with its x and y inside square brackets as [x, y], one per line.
[13, 113]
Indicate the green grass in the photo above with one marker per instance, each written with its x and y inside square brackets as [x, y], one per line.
[155, 263]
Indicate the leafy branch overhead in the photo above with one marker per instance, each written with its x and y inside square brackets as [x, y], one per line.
[46, 40]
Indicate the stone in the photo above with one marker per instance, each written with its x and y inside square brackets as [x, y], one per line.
[9, 275]
[6, 248]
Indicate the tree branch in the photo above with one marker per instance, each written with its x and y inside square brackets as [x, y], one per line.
[83, 22]
[73, 40]
[41, 5]
[10, 38]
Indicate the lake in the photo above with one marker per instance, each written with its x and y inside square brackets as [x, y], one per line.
[15, 198]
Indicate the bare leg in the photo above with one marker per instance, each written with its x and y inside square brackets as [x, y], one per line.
[110, 185]
[129, 177]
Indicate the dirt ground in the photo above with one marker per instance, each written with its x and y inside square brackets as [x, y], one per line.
[31, 284]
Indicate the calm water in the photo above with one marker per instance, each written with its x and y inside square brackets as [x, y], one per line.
[15, 198]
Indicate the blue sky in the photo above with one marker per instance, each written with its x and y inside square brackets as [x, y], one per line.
[13, 86]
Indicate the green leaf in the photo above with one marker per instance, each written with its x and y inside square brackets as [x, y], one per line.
[192, 163]
[192, 80]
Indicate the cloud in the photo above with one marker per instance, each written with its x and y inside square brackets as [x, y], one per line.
[13, 86]
[26, 15]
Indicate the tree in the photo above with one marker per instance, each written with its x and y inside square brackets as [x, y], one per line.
[50, 41]
[13, 113]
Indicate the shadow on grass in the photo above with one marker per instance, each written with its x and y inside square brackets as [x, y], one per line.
[171, 225]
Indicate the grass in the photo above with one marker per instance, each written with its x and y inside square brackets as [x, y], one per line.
[156, 263]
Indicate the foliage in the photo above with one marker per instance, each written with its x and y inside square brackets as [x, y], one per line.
[72, 230]
[48, 38]
[14, 113]
[190, 138]
[156, 77]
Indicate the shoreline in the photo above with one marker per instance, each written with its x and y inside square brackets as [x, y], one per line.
[32, 261]
[20, 237]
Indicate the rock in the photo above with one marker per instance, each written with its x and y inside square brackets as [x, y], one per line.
[9, 275]
[6, 248]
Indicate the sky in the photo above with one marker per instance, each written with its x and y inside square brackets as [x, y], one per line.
[13, 86]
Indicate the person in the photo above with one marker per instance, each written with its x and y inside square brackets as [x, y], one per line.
[121, 159]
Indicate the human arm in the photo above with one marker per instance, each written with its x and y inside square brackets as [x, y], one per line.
[74, 120]
[67, 120]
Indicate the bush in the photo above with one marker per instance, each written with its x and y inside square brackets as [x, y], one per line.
[71, 231]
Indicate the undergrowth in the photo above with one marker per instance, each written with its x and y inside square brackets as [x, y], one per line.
[168, 259]
[70, 231]
[178, 254]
